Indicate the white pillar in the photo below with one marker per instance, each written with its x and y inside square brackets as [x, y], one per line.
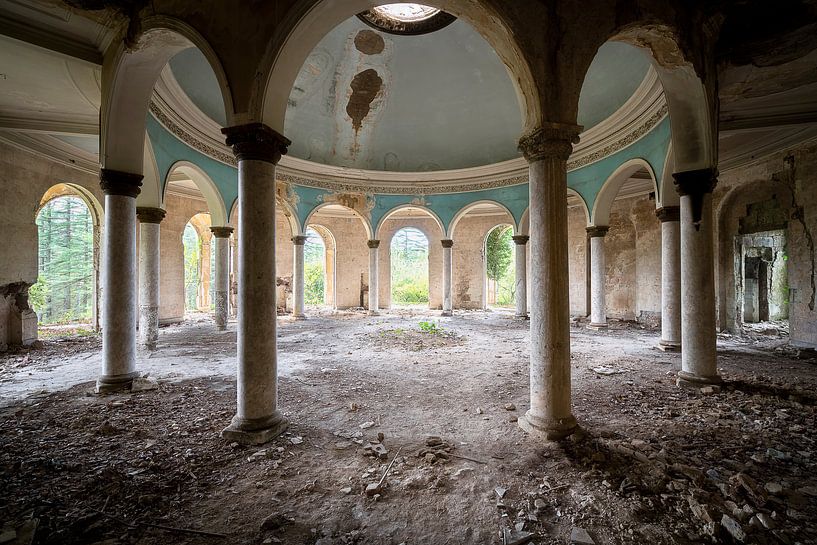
[448, 300]
[257, 420]
[698, 335]
[298, 277]
[521, 265]
[598, 304]
[221, 251]
[670, 278]
[119, 280]
[149, 275]
[374, 276]
[547, 150]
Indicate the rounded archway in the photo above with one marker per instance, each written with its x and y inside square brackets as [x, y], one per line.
[409, 272]
[499, 267]
[319, 266]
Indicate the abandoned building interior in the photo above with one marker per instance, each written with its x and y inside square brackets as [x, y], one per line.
[477, 271]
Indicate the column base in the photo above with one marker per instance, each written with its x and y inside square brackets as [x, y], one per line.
[688, 380]
[299, 316]
[551, 430]
[108, 384]
[591, 325]
[221, 327]
[668, 346]
[255, 431]
[521, 316]
[447, 313]
[373, 313]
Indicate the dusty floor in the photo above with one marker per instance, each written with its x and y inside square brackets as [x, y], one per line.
[653, 464]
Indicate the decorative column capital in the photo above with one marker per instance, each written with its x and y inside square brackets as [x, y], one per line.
[597, 231]
[373, 243]
[695, 184]
[256, 142]
[116, 182]
[221, 231]
[447, 243]
[149, 214]
[669, 213]
[521, 240]
[551, 140]
[299, 240]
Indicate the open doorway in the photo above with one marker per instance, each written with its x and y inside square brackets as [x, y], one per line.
[500, 280]
[764, 277]
[409, 267]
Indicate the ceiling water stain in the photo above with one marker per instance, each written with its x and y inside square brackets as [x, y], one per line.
[369, 42]
[365, 87]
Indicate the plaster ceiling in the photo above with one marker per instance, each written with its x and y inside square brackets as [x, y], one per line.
[444, 100]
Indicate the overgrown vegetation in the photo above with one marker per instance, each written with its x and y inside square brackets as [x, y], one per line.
[192, 266]
[409, 267]
[314, 269]
[430, 327]
[64, 289]
[499, 257]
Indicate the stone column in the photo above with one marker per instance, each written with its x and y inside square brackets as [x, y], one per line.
[258, 149]
[374, 275]
[598, 308]
[547, 150]
[149, 252]
[670, 217]
[521, 286]
[119, 280]
[698, 336]
[298, 277]
[448, 285]
[222, 280]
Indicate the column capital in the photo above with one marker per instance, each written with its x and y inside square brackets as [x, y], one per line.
[695, 184]
[149, 214]
[669, 213]
[599, 231]
[521, 240]
[299, 240]
[223, 231]
[551, 140]
[447, 243]
[116, 182]
[373, 243]
[256, 142]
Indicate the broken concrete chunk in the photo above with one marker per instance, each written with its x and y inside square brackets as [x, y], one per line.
[733, 527]
[372, 489]
[500, 492]
[366, 425]
[579, 536]
[516, 538]
[434, 441]
[143, 384]
[510, 407]
[346, 490]
[296, 440]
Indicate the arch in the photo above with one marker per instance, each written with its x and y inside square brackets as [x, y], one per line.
[485, 279]
[411, 275]
[603, 202]
[309, 21]
[68, 189]
[129, 73]
[667, 194]
[396, 209]
[330, 269]
[289, 214]
[205, 184]
[524, 221]
[366, 224]
[470, 206]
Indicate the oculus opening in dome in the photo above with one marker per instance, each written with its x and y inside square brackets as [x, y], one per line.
[406, 18]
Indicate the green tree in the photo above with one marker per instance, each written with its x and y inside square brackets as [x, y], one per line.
[409, 267]
[192, 262]
[499, 252]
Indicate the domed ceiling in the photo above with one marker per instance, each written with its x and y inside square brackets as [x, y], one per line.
[444, 100]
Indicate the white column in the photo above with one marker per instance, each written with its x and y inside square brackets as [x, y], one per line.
[598, 304]
[119, 280]
[374, 276]
[670, 278]
[521, 265]
[448, 300]
[257, 420]
[149, 275]
[547, 150]
[298, 277]
[698, 335]
[221, 250]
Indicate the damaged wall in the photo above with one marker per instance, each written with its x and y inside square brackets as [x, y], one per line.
[468, 258]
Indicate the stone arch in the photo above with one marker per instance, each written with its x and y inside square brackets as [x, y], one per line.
[208, 188]
[330, 270]
[366, 224]
[485, 281]
[425, 209]
[667, 194]
[603, 202]
[311, 20]
[129, 75]
[201, 223]
[470, 206]
[288, 210]
[524, 221]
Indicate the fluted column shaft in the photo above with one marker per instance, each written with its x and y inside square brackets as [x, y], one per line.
[298, 242]
[221, 236]
[119, 280]
[257, 420]
[670, 277]
[374, 277]
[448, 299]
[598, 303]
[698, 335]
[547, 150]
[520, 273]
[149, 274]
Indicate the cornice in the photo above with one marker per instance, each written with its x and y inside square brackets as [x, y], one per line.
[52, 149]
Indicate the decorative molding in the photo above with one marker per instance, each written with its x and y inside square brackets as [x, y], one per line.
[149, 214]
[521, 240]
[52, 149]
[447, 243]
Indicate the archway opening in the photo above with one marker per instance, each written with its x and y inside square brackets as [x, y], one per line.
[500, 271]
[199, 264]
[64, 291]
[409, 267]
[315, 284]
[764, 286]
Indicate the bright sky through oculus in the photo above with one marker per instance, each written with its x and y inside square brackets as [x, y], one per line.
[406, 12]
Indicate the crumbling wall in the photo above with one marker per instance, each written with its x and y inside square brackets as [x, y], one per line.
[351, 258]
[647, 261]
[468, 260]
[24, 179]
[576, 256]
[435, 258]
[620, 260]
